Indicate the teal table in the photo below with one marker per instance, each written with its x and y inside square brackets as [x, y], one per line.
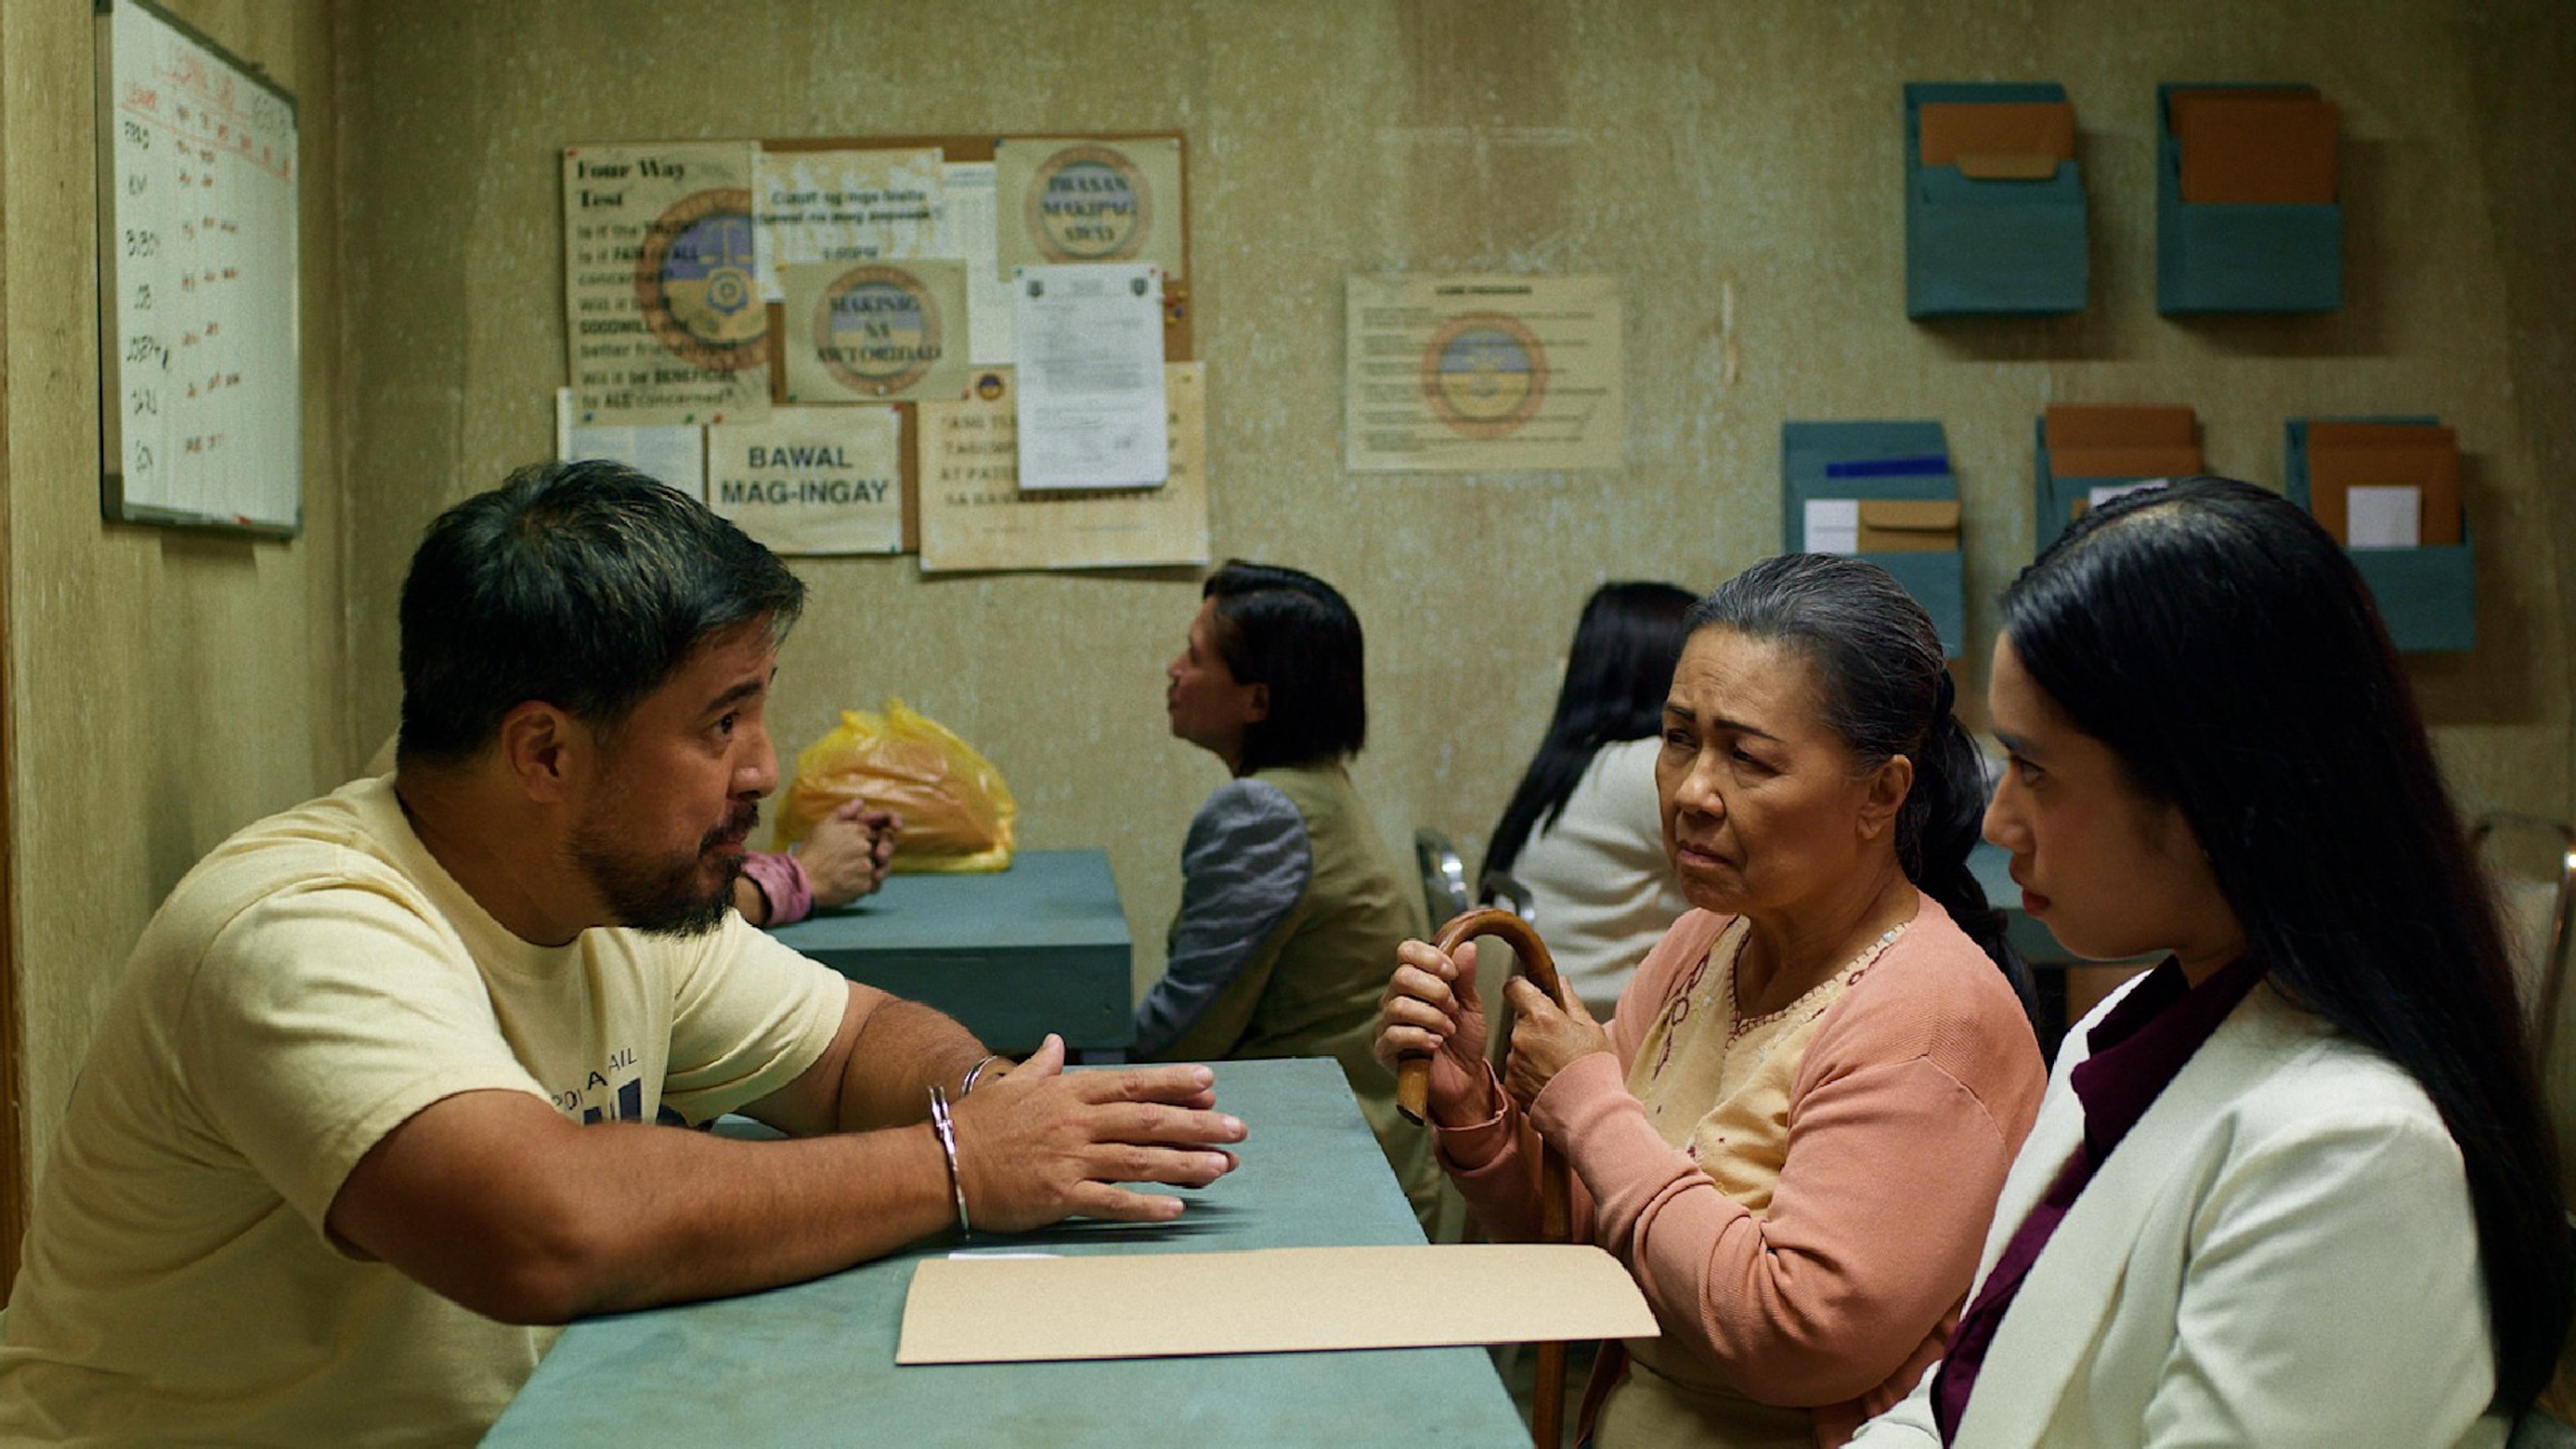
[1013, 954]
[814, 1364]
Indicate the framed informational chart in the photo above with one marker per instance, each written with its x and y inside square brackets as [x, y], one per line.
[201, 398]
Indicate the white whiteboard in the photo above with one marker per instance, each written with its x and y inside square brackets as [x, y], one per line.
[201, 393]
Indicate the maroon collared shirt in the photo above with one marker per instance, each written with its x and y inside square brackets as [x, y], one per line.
[2133, 1052]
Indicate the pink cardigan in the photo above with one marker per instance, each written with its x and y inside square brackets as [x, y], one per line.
[1916, 1090]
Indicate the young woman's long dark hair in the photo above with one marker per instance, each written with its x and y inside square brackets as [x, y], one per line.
[2220, 643]
[1887, 692]
[1617, 673]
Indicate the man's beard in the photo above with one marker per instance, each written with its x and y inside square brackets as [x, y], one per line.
[663, 896]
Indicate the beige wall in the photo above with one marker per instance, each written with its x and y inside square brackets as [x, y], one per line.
[165, 688]
[1675, 146]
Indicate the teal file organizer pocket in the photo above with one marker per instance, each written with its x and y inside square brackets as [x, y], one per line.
[1990, 247]
[2428, 597]
[2053, 498]
[1879, 460]
[1939, 582]
[2238, 257]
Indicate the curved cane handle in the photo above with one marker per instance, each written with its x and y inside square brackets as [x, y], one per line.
[1555, 1193]
[1413, 1072]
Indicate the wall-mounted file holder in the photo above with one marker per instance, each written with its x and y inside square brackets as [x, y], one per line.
[2246, 255]
[1862, 463]
[2086, 452]
[2427, 594]
[1995, 225]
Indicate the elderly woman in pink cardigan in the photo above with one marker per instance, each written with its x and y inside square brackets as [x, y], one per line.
[1795, 1126]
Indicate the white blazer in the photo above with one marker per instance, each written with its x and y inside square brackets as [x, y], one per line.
[2280, 1253]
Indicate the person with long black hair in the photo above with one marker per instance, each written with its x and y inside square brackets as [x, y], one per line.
[1582, 834]
[2292, 1186]
[1794, 1128]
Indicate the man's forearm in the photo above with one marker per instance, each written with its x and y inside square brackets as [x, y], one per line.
[708, 1217]
[903, 1050]
[496, 1201]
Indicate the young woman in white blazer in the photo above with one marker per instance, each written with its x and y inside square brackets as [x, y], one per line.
[2292, 1187]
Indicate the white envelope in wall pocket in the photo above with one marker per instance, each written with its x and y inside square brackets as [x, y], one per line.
[2389, 516]
[1833, 525]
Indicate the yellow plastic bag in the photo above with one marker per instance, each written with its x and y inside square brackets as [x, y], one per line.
[957, 813]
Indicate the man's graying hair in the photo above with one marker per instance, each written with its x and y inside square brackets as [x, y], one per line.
[1886, 691]
[584, 585]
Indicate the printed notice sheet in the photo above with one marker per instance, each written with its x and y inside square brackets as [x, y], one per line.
[966, 233]
[1090, 376]
[1482, 374]
[812, 480]
[874, 331]
[671, 453]
[845, 206]
[974, 515]
[665, 318]
[1069, 199]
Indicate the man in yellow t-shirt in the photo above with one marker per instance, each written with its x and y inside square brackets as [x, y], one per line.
[376, 1101]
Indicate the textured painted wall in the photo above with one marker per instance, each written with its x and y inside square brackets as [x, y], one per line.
[1677, 147]
[164, 688]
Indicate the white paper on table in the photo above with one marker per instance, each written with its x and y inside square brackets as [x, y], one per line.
[1833, 525]
[1268, 1300]
[969, 233]
[2097, 496]
[2384, 516]
[674, 454]
[1089, 339]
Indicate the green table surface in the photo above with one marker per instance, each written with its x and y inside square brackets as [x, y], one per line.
[1014, 954]
[813, 1364]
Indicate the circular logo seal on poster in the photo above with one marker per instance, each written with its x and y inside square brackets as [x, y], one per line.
[694, 283]
[877, 330]
[1088, 204]
[1484, 374]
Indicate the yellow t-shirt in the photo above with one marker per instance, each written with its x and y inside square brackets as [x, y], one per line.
[307, 988]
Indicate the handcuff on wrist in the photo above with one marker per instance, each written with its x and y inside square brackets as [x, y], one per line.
[975, 1073]
[944, 1127]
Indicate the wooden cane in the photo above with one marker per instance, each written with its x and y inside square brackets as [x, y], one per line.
[1555, 1197]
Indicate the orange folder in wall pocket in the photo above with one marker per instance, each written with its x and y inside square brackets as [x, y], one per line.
[2099, 441]
[2344, 456]
[1998, 140]
[2094, 425]
[2265, 146]
[2166, 461]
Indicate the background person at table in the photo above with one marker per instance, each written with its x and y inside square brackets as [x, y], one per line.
[845, 857]
[1289, 902]
[322, 1166]
[1794, 1129]
[1583, 833]
[2292, 1187]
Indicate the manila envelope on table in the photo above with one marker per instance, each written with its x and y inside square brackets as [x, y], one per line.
[2342, 455]
[1998, 140]
[2101, 425]
[1909, 525]
[2275, 147]
[1008, 1309]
